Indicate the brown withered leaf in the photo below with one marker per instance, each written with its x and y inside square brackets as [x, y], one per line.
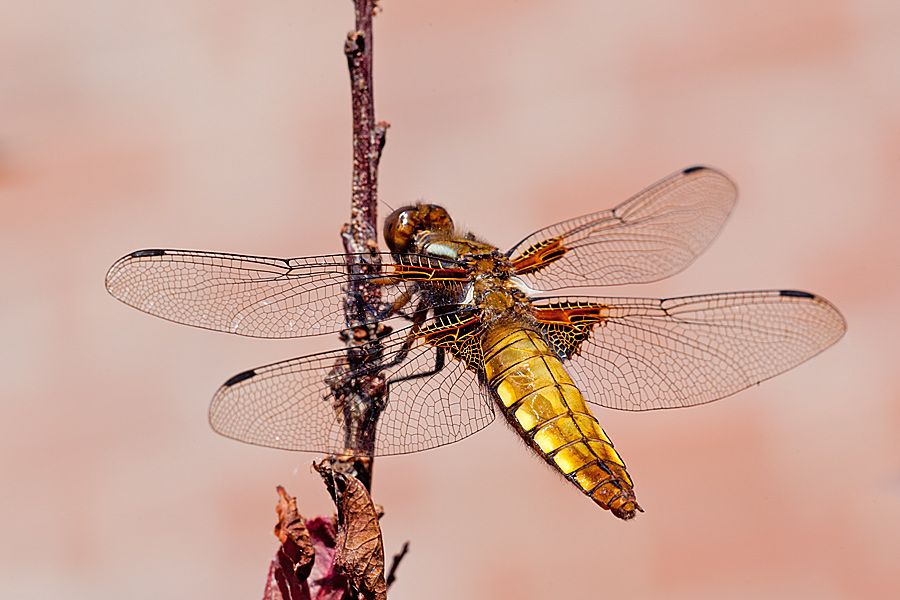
[282, 585]
[291, 530]
[294, 561]
[304, 568]
[359, 548]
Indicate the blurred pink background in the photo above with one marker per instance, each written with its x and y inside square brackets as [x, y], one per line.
[226, 126]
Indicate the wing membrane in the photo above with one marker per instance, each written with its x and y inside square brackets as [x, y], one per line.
[650, 354]
[653, 235]
[249, 295]
[288, 405]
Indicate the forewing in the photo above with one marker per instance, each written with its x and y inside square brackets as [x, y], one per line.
[289, 405]
[653, 235]
[253, 295]
[649, 354]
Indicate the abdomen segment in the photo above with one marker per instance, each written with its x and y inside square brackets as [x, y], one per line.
[540, 400]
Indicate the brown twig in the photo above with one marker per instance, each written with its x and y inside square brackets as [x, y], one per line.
[324, 558]
[392, 572]
[361, 399]
[368, 136]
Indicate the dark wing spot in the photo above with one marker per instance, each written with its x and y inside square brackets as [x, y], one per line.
[147, 253]
[797, 294]
[240, 377]
[690, 170]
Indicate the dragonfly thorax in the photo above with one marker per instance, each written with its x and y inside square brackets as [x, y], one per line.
[495, 292]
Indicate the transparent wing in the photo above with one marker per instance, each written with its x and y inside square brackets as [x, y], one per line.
[652, 354]
[247, 295]
[653, 235]
[288, 405]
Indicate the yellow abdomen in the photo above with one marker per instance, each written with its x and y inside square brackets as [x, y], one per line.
[540, 400]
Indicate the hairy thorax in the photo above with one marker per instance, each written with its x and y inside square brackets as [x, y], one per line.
[493, 290]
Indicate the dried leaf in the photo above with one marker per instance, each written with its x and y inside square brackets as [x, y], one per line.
[294, 561]
[359, 548]
[283, 585]
[296, 553]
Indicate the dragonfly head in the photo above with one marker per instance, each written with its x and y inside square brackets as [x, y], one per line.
[402, 225]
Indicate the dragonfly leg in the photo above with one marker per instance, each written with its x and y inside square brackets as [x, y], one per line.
[439, 361]
[403, 352]
[395, 307]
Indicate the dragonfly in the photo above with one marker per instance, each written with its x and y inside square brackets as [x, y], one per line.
[480, 333]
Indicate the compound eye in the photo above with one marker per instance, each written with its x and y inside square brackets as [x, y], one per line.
[402, 225]
[399, 229]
